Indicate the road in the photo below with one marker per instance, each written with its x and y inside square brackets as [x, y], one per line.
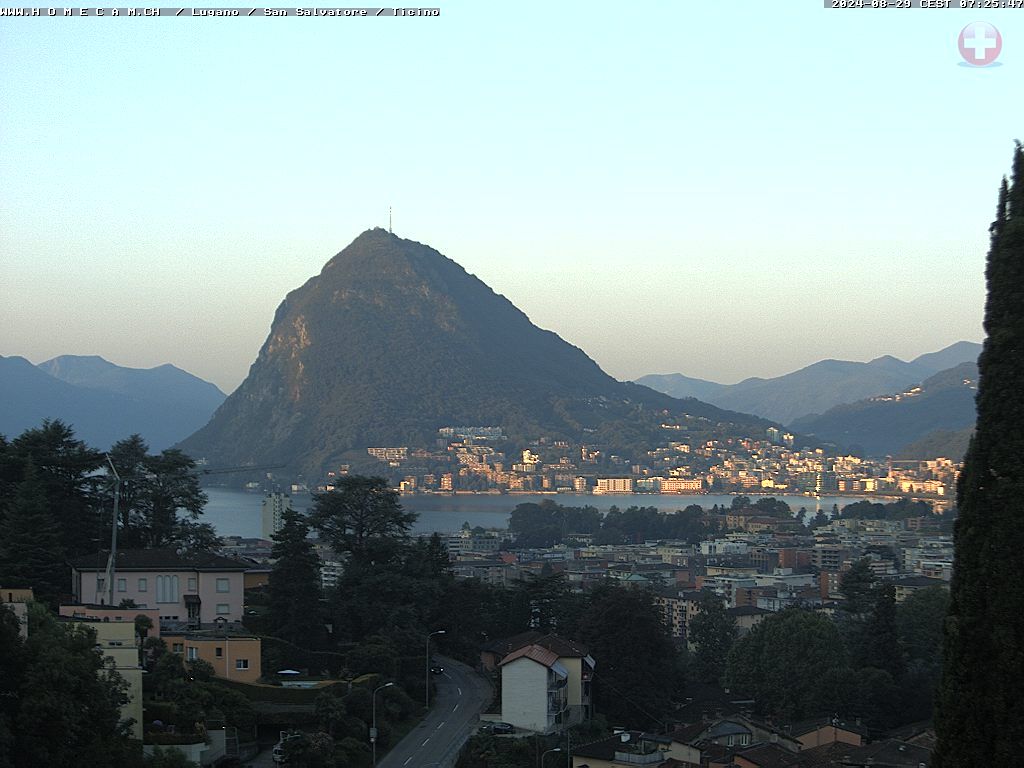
[460, 695]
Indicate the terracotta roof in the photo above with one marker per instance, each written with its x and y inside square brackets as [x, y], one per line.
[159, 560]
[890, 753]
[559, 645]
[534, 652]
[509, 644]
[806, 726]
[768, 755]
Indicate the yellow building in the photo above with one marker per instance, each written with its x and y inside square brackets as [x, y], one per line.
[119, 645]
[17, 600]
[232, 656]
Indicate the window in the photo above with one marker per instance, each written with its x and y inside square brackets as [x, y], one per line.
[218, 652]
[142, 585]
[101, 584]
[241, 663]
[192, 584]
[223, 608]
[122, 585]
[193, 654]
[223, 585]
[167, 589]
[178, 647]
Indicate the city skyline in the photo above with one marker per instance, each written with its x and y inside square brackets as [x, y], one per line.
[723, 209]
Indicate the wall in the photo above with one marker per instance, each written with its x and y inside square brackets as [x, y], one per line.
[524, 701]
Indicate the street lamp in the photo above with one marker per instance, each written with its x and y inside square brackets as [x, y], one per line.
[427, 652]
[373, 728]
[545, 754]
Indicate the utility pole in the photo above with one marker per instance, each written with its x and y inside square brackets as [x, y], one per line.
[112, 560]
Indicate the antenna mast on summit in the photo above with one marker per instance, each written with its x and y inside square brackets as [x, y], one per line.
[390, 231]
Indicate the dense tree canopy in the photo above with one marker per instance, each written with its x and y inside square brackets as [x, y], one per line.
[361, 517]
[65, 704]
[783, 660]
[160, 500]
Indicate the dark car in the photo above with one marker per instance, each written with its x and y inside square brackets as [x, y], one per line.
[502, 728]
[437, 670]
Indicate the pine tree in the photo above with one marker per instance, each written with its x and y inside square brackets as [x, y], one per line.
[31, 553]
[294, 589]
[978, 719]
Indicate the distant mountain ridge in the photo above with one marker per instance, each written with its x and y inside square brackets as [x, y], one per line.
[817, 387]
[933, 416]
[393, 340]
[104, 402]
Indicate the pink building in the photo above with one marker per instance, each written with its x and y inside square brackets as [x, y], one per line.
[196, 587]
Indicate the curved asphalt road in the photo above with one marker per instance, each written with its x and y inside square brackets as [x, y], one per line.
[460, 696]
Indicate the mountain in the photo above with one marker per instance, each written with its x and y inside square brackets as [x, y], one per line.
[950, 357]
[109, 411]
[392, 341]
[818, 387]
[950, 444]
[891, 424]
[165, 383]
[678, 385]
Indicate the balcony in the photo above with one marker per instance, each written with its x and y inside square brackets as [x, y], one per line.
[654, 757]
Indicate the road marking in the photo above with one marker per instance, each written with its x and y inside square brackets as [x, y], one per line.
[407, 761]
[460, 691]
[455, 707]
[440, 724]
[425, 741]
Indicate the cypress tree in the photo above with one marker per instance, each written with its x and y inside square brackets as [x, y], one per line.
[294, 613]
[977, 714]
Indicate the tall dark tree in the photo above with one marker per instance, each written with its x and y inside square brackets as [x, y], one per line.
[978, 708]
[12, 663]
[361, 517]
[635, 653]
[161, 501]
[65, 469]
[31, 551]
[711, 632]
[857, 586]
[881, 649]
[294, 611]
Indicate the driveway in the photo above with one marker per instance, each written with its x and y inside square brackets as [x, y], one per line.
[460, 696]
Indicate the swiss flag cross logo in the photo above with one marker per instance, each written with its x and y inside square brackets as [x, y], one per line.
[980, 43]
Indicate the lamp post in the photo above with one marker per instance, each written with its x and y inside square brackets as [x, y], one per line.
[373, 728]
[545, 754]
[427, 653]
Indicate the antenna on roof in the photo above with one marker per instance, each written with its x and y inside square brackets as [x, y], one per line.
[390, 231]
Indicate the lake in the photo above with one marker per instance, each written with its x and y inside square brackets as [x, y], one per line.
[237, 513]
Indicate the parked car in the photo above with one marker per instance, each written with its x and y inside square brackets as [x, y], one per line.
[502, 728]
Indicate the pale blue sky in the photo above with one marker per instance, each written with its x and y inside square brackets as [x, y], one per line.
[720, 189]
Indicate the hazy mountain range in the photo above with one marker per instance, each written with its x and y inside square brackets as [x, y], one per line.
[929, 420]
[818, 387]
[104, 402]
[392, 341]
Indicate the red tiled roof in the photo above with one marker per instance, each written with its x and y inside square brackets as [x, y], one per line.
[534, 652]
